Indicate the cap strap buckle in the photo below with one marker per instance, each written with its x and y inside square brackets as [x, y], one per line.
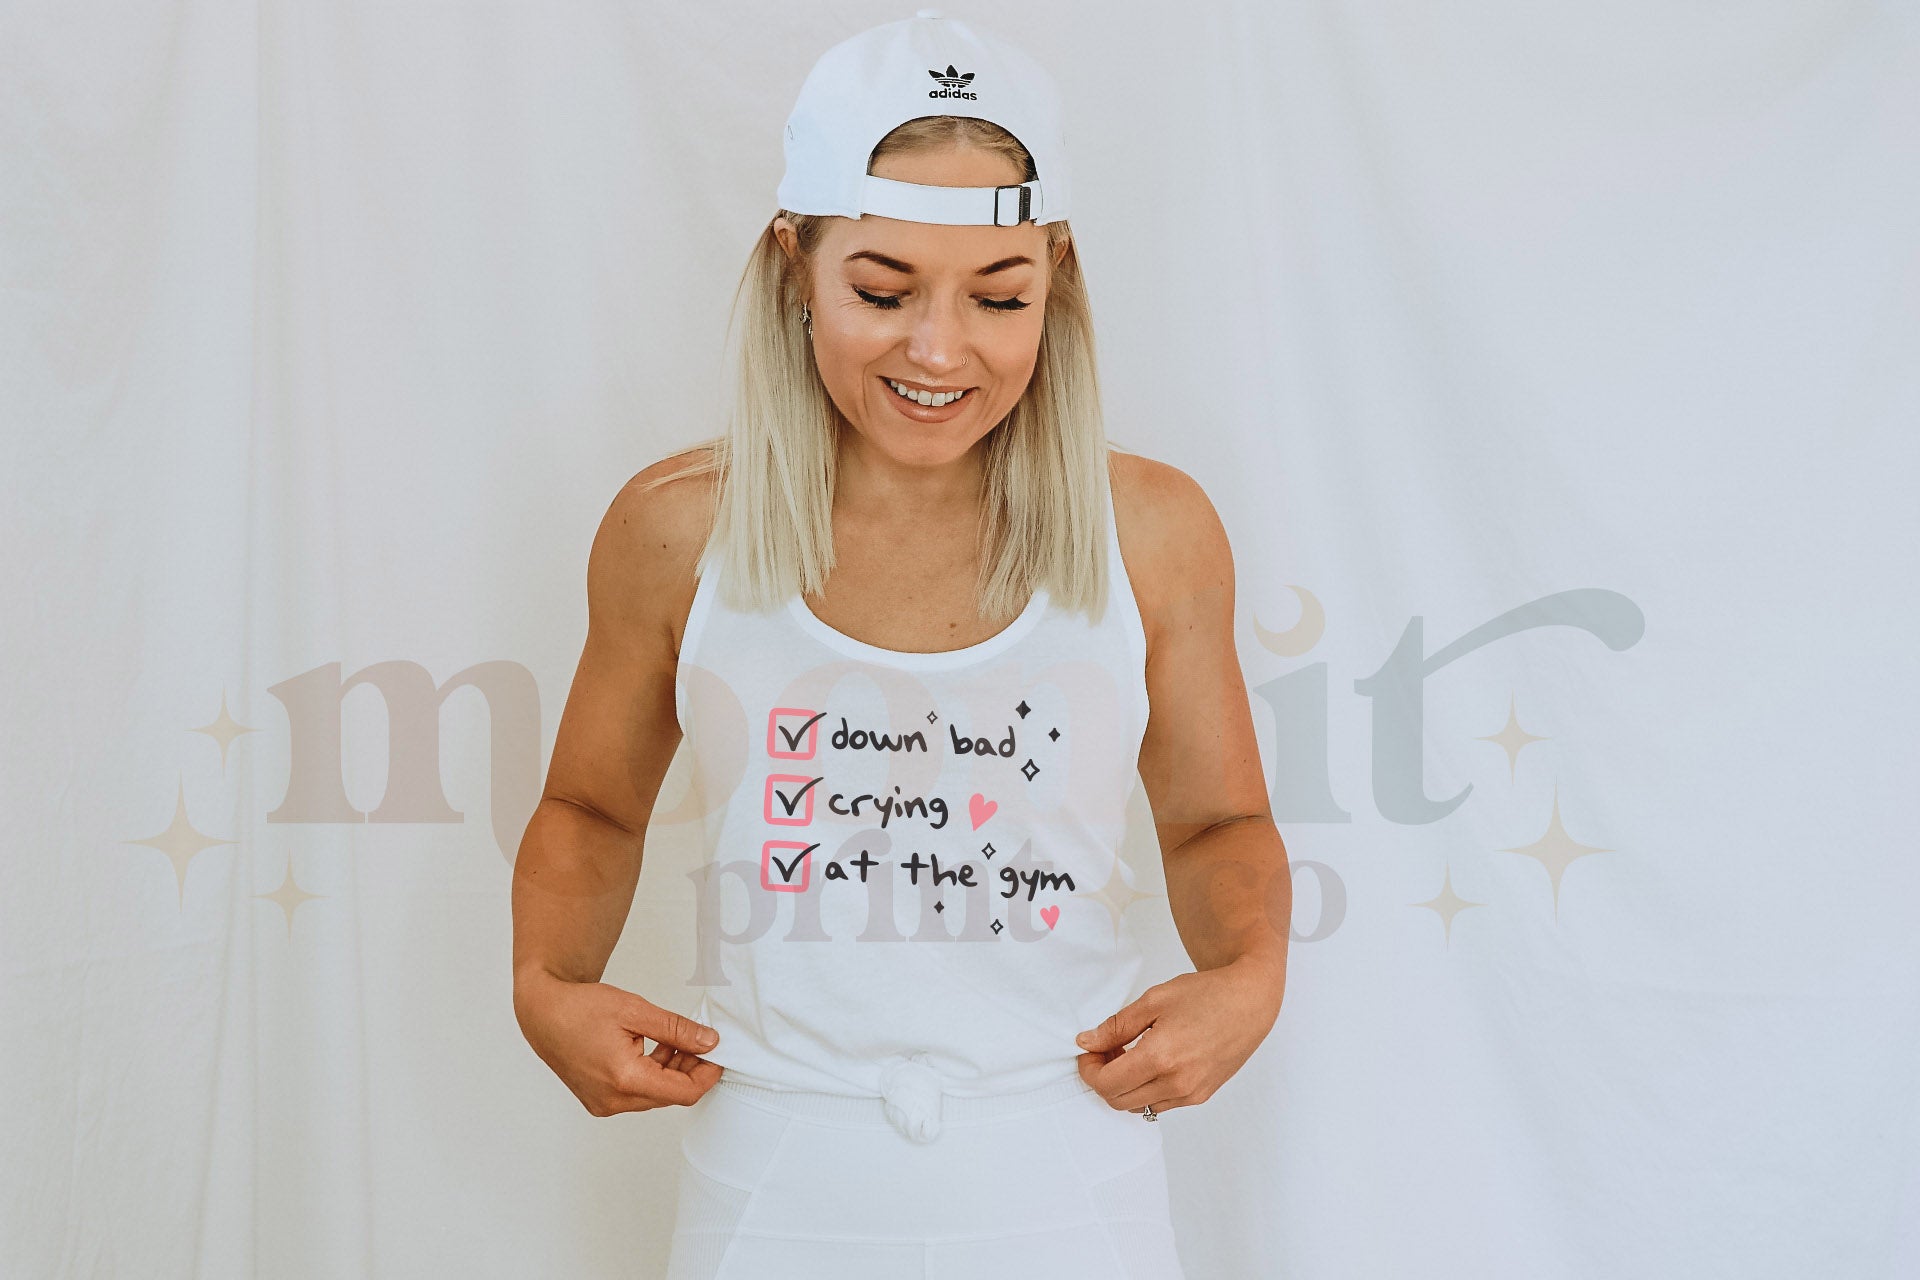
[1024, 209]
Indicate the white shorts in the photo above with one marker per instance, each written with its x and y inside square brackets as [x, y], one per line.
[1053, 1183]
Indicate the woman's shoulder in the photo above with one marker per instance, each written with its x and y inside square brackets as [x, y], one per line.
[642, 570]
[1170, 535]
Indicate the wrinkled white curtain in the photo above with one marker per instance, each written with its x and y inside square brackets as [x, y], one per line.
[1552, 367]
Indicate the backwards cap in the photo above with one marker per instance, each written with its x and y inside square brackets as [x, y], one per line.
[927, 65]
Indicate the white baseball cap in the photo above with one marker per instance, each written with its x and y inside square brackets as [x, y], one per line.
[927, 65]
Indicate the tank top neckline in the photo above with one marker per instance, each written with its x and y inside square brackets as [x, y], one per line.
[996, 643]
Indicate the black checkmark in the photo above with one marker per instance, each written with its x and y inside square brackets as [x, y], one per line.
[795, 802]
[793, 735]
[786, 868]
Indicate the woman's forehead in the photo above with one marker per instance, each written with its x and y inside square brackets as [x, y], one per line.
[932, 249]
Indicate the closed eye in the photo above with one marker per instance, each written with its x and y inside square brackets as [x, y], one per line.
[891, 301]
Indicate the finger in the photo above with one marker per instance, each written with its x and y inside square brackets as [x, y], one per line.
[1122, 1027]
[1124, 1074]
[649, 1082]
[697, 1068]
[643, 1017]
[1184, 1100]
[1156, 1091]
[1090, 1065]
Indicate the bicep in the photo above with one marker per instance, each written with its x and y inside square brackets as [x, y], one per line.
[619, 728]
[1199, 757]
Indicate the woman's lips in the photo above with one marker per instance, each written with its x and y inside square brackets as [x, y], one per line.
[925, 413]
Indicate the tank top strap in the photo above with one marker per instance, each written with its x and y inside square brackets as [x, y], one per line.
[1123, 611]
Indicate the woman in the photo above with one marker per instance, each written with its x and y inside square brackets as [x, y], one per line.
[914, 1053]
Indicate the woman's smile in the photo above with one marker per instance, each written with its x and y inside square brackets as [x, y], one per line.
[926, 406]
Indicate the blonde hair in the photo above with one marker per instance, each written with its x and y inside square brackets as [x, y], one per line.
[1046, 477]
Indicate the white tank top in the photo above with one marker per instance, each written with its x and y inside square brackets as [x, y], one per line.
[911, 885]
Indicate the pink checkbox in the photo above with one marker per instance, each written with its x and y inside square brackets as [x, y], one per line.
[788, 728]
[789, 799]
[777, 872]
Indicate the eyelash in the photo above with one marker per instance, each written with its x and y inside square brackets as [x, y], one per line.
[891, 302]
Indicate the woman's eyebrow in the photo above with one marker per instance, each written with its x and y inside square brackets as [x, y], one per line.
[906, 268]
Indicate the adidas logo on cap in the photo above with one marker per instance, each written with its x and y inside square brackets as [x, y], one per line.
[955, 84]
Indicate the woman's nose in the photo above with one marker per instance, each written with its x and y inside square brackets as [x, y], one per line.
[938, 340]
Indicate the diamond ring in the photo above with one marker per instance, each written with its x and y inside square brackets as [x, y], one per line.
[1147, 1113]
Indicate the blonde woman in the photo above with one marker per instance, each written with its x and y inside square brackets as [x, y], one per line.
[920, 628]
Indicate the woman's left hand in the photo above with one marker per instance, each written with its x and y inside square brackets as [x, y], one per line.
[1204, 1025]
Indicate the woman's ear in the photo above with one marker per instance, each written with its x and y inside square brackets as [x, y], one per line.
[788, 236]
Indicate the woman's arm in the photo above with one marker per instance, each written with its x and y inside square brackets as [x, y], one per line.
[1228, 884]
[579, 861]
[580, 857]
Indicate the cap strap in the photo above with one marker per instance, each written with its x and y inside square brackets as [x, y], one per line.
[1005, 206]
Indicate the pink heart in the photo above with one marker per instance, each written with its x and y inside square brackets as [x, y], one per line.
[980, 809]
[1050, 914]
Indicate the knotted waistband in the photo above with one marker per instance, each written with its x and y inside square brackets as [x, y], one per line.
[910, 1094]
[913, 1099]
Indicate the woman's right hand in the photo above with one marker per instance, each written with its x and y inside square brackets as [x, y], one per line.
[593, 1037]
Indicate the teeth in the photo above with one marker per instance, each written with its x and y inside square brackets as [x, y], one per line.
[933, 400]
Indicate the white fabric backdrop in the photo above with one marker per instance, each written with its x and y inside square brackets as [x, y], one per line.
[331, 330]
